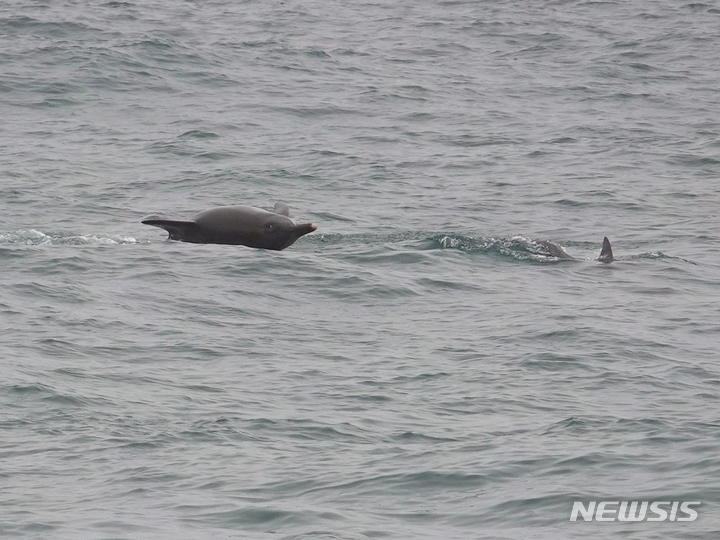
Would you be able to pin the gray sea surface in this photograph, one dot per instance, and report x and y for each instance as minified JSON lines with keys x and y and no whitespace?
{"x":423,"y":366}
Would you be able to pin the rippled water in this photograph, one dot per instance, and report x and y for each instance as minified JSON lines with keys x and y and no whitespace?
{"x":424,"y":365}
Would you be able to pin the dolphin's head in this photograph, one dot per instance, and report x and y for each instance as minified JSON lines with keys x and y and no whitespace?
{"x":280,"y":232}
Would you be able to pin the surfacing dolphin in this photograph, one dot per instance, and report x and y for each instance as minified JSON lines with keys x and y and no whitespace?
{"x":238,"y":225}
{"x":606,"y":254}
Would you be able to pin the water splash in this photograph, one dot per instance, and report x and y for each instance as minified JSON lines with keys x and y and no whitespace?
{"x":33,"y":237}
{"x":516,"y":247}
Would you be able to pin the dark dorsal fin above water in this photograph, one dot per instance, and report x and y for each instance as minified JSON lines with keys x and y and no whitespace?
{"x":606,"y":254}
{"x":282,"y":209}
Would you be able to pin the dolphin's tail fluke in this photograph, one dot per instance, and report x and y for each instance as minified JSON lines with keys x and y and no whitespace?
{"x":178,"y":230}
{"x":606,"y":254}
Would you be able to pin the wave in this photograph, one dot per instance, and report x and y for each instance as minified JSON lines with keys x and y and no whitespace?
{"x":33,"y":237}
{"x":516,"y":247}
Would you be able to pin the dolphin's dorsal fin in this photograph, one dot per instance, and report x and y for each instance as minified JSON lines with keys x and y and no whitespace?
{"x":282,"y":209}
{"x":606,"y":254}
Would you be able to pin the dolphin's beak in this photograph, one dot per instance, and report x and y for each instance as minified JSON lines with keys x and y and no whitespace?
{"x":306,"y":228}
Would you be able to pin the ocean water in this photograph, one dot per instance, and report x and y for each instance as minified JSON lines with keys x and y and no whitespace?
{"x":422,"y":366}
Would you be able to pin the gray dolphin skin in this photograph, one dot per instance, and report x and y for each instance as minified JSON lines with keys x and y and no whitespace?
{"x":554,"y":250}
{"x":239,"y":226}
{"x":606,"y":254}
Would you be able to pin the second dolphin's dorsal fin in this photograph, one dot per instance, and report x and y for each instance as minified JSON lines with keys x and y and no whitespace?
{"x":606,"y":254}
{"x":282,"y":209}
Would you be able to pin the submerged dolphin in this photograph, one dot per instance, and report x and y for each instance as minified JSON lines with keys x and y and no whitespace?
{"x":238,"y":225}
{"x":606,"y":254}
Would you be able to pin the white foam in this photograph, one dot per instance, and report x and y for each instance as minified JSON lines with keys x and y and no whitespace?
{"x":33,"y":237}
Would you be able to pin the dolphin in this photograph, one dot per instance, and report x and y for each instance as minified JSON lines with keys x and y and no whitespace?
{"x":238,"y":225}
{"x":606,"y":254}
